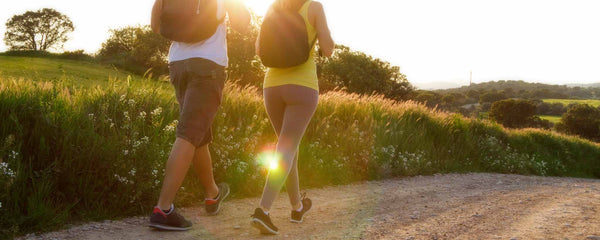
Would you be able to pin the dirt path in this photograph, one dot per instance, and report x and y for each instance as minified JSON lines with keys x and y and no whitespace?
{"x":453,"y":206}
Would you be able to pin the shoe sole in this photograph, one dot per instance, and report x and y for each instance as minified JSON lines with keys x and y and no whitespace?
{"x":301,"y":219}
{"x":167,"y":228}
{"x":264,"y":229}
{"x":219,"y":207}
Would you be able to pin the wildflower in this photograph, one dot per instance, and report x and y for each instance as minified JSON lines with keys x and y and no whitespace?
{"x":125,"y":152}
{"x":145,"y":139}
{"x":91,"y":116}
{"x":10,"y":139}
{"x":122,"y":98}
{"x":142,"y":115}
{"x":131,"y":102}
{"x":157,"y":111}
{"x":126,"y":115}
{"x":6,"y":170}
{"x":132,"y":172}
{"x":13,"y":155}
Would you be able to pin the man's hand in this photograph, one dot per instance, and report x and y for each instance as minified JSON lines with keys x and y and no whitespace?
{"x":239,"y":16}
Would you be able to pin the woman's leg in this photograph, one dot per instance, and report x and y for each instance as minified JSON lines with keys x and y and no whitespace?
{"x":292,"y":185}
{"x":300,"y":104}
{"x":275,"y":109}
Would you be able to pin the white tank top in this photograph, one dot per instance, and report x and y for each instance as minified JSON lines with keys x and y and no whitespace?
{"x":214,"y":48}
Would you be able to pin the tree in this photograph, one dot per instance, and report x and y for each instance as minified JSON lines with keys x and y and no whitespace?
{"x":136,"y":49}
{"x":582,"y":120}
{"x":491,"y":97}
{"x":360,"y":73}
{"x":514,"y":113}
{"x":39,"y":31}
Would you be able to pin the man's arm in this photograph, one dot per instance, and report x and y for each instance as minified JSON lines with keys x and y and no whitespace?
{"x":155,"y":20}
{"x":239,"y":16}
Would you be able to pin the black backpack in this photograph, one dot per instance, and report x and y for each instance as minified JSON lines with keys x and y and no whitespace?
{"x":189,"y":21}
{"x":284,"y":39}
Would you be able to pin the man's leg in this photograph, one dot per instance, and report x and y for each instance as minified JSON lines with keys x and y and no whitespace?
{"x":177,"y":167}
{"x":203,"y":166}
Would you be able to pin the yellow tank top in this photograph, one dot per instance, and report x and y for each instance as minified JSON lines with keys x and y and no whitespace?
{"x":303,"y":75}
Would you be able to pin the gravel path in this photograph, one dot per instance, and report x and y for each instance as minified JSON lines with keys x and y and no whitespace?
{"x":452,"y":206}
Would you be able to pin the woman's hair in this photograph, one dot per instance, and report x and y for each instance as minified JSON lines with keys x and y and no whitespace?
{"x":290,"y":5}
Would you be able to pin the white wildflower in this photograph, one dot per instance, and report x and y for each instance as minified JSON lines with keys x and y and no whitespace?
{"x":125,"y":152}
{"x":91,"y":116}
{"x":132,"y":172}
{"x":131,"y":102}
{"x":142,"y":115}
{"x":157,"y":111}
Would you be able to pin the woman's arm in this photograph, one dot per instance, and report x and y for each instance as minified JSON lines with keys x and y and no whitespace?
{"x":155,"y":19}
{"x":319,"y":21}
{"x":239,"y":16}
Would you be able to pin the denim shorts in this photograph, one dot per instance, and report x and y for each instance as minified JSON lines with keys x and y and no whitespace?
{"x":198,"y":86}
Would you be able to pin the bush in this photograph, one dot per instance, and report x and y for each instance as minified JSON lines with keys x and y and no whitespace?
{"x":581,"y":120}
{"x":63,"y":148}
{"x":136,"y":49}
{"x":514,"y":113}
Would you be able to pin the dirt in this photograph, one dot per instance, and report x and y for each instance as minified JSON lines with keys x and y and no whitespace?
{"x":452,"y":206}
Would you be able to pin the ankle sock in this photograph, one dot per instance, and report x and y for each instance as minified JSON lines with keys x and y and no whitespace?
{"x":301,"y":207}
{"x":265,"y":212}
{"x":167,"y":212}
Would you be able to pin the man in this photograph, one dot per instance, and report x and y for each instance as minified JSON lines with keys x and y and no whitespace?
{"x":197,"y":72}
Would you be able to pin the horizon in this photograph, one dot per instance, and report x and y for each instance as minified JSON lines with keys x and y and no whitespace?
{"x":551,"y":42}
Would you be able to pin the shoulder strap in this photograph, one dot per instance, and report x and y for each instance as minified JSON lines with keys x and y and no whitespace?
{"x":304,"y":12}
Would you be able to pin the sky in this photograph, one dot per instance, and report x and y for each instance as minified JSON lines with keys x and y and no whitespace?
{"x":434,"y":42}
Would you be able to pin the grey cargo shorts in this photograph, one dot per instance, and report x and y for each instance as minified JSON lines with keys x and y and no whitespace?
{"x":198,"y":86}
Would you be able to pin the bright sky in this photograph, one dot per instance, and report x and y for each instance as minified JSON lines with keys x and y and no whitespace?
{"x":431,"y":40}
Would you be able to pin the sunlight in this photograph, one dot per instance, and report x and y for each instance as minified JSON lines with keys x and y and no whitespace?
{"x":269,"y":158}
{"x":259,"y":6}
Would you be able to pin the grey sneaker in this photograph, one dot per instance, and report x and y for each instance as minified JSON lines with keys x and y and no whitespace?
{"x":214,"y":206}
{"x":169,"y":222}
{"x":262,"y":222}
{"x":298,"y":216}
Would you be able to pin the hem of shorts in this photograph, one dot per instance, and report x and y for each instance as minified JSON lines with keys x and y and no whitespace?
{"x":192,"y":142}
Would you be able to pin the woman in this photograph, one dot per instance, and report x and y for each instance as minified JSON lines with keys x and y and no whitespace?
{"x":291,"y":96}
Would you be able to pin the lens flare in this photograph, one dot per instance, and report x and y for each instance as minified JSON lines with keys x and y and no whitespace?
{"x":273,"y":164}
{"x":269,"y":158}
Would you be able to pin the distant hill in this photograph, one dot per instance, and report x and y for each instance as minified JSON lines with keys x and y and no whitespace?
{"x":435,"y":85}
{"x":589,"y":85}
{"x":522,"y":89}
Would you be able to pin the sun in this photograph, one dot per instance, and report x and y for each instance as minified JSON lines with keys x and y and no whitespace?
{"x":258,"y":6}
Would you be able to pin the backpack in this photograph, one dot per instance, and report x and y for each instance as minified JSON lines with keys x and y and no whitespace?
{"x":189,"y":21}
{"x":284,"y":39}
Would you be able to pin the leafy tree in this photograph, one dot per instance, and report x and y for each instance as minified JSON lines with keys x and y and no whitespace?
{"x":491,"y":97}
{"x":39,"y":31}
{"x":244,"y":66}
{"x":582,"y":120}
{"x":136,"y":49}
{"x":360,"y":73}
{"x":513,"y":113}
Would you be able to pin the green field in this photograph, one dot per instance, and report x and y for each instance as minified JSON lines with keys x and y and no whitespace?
{"x":595,"y":103}
{"x":552,"y":119}
{"x":78,"y":146}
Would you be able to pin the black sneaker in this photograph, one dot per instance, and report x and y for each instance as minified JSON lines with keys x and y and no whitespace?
{"x":262,"y":222}
{"x":213,"y":206}
{"x":298,"y":216}
{"x":170,"y":222}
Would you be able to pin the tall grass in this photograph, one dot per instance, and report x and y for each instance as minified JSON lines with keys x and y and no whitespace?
{"x":70,"y":154}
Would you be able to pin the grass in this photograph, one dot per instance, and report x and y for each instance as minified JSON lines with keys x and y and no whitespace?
{"x":552,"y":119}
{"x":72,"y":153}
{"x":565,"y":102}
